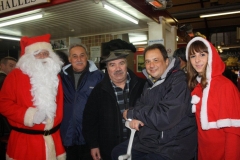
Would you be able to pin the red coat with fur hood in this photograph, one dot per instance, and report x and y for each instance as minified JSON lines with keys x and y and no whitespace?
{"x":217,"y":109}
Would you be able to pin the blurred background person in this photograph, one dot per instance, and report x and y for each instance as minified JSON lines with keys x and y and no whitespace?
{"x":7,"y":64}
{"x":180,"y":53}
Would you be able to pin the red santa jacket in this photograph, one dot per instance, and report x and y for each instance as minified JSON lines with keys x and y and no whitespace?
{"x":16,"y":104}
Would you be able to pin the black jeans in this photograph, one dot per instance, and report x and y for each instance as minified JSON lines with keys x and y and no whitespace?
{"x":78,"y":152}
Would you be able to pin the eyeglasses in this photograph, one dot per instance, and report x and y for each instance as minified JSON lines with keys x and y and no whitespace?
{"x":42,"y":54}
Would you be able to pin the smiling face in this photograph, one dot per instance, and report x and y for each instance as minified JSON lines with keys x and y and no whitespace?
{"x":155,"y":63}
{"x":117,"y":70}
{"x":199,"y":61}
{"x":78,"y":58}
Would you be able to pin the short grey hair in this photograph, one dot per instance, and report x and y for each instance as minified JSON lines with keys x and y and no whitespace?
{"x":77,"y":45}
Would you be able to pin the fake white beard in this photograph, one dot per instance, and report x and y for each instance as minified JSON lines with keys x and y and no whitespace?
{"x":43,"y":78}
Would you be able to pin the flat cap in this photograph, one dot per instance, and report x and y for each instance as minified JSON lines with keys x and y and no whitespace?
{"x":117,"y":54}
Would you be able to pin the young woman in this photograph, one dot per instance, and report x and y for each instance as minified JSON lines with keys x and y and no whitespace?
{"x":216,"y":103}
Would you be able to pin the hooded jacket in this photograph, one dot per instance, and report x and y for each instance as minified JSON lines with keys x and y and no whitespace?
{"x":165,"y":109}
{"x":217,"y":109}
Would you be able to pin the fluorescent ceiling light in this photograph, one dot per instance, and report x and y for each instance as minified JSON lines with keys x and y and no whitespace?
{"x":136,"y":37}
{"x":119,"y":12}
{"x":10,"y":38}
{"x":218,"y":14}
{"x":139,"y":43}
{"x":21,"y":19}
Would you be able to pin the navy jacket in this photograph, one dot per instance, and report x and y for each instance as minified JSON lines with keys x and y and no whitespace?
{"x":165,"y":109}
{"x":75,"y":100}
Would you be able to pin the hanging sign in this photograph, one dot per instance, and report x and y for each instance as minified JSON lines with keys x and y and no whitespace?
{"x":95,"y":52}
{"x":156,"y":41}
{"x":12,"y":5}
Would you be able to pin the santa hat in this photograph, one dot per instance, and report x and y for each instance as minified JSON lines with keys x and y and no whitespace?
{"x":32,"y":44}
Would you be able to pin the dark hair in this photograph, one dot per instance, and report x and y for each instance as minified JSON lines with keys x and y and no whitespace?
{"x":5,"y":60}
{"x":197,"y":46}
{"x":160,"y":47}
{"x":63,"y":57}
{"x":181,"y":53}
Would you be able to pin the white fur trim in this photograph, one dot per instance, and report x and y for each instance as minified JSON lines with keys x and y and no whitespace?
{"x":194,"y":101}
{"x":193,"y":108}
{"x":62,"y":156}
{"x":38,"y":46}
{"x":203,"y":112}
{"x":8,"y":158}
{"x":50,"y":148}
{"x":28,"y":117}
{"x":228,"y":123}
{"x":224,"y":123}
{"x":49,"y":124}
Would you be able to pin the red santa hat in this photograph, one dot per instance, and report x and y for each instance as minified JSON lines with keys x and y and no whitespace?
{"x":32,"y":44}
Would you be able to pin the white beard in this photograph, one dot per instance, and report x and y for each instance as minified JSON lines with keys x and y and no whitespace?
{"x":43,"y":78}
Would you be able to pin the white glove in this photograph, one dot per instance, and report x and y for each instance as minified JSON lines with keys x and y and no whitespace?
{"x":39,"y":117}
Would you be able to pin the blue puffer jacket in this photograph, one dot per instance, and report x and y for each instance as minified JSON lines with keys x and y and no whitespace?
{"x":75,"y":100}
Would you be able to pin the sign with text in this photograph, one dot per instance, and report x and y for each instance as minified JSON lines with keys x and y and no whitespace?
{"x":12,"y":5}
{"x":156,"y":41}
{"x":95,"y":52}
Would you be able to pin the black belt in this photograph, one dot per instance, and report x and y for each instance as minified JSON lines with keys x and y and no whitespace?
{"x":29,"y":131}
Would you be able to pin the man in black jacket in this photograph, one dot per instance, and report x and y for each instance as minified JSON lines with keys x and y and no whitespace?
{"x":103,"y":124}
{"x":169,"y":130}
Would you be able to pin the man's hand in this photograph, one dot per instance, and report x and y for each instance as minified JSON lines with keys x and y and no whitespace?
{"x":125,"y":114}
{"x":135,"y":124}
{"x":39,"y":117}
{"x":95,"y":152}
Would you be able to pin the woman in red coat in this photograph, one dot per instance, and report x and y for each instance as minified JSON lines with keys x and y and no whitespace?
{"x":216,"y":103}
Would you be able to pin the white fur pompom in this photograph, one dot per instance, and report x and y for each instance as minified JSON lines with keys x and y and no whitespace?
{"x":194,"y":101}
{"x":193,"y":108}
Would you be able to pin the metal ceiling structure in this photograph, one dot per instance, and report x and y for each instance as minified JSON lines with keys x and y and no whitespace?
{"x":80,"y":18}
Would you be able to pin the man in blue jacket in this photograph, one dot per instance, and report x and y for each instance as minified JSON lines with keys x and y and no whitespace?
{"x":78,"y":79}
{"x":168,"y":128}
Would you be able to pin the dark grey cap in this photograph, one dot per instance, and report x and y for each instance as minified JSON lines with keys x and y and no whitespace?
{"x":117,"y":54}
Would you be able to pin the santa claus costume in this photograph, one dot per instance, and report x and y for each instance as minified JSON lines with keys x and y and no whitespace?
{"x":34,"y":86}
{"x":217,"y":110}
